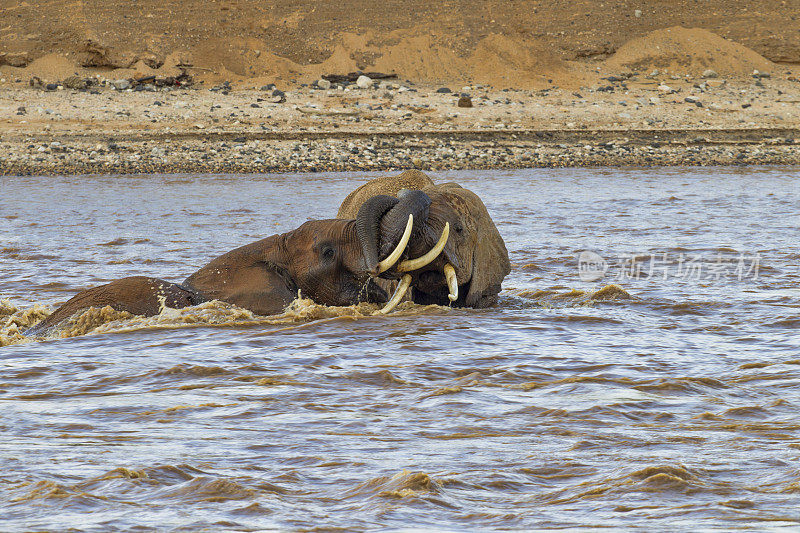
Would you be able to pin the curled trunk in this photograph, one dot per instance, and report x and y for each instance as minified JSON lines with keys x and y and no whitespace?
{"x":368,"y":226}
{"x":382,"y":219}
{"x":394,"y":222}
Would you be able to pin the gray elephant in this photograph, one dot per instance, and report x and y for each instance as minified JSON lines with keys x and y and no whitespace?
{"x":473,"y":260}
{"x":322,"y":260}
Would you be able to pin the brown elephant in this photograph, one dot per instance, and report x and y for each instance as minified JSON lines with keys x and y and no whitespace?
{"x":474,"y":260}
{"x":322,"y":260}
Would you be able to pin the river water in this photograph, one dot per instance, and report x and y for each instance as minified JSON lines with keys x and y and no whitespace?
{"x":676,"y":408}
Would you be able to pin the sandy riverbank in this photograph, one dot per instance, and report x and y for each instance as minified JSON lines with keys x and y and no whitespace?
{"x":671,"y":96}
{"x":642,"y":120}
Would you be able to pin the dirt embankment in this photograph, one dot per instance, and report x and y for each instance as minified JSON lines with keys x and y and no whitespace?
{"x":526,"y":44}
{"x":548,"y":83}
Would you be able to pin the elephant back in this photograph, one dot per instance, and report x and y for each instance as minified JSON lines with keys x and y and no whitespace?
{"x":388,"y":185}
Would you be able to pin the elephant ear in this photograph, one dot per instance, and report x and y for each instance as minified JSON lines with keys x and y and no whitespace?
{"x":490,"y":262}
{"x":388,"y":185}
{"x":253,"y":276}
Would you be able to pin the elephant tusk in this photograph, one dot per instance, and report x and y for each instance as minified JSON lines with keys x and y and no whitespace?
{"x":402,"y":287}
{"x":414,"y":264}
{"x":452,"y":281}
{"x":389,"y":262}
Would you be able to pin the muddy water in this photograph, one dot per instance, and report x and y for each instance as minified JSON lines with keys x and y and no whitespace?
{"x":677,"y":408}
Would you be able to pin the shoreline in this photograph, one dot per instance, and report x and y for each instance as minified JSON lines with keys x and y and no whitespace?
{"x":337,"y":151}
{"x":391,"y":127}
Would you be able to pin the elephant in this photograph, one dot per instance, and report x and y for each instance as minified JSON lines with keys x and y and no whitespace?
{"x":138,"y":295}
{"x":322,"y":260}
{"x":473,"y":260}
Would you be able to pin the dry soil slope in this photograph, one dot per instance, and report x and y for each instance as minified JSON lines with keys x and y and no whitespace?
{"x":450,"y":39}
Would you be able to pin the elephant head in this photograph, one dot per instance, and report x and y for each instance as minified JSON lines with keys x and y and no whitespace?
{"x":321,"y":260}
{"x":461,"y":256}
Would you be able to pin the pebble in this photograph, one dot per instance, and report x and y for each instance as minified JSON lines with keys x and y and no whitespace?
{"x":121,"y":85}
{"x":360,"y":154}
{"x":708,"y":73}
{"x":345,"y":153}
{"x":465,"y":101}
{"x":364,"y":82}
{"x":665,"y":88}
{"x":278,"y":97}
{"x":637,"y":13}
{"x":323,"y":84}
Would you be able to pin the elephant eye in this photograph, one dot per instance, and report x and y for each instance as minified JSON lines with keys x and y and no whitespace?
{"x":458,"y":227}
{"x":328,"y":252}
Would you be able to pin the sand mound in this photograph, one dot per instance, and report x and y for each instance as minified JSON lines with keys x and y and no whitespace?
{"x":419,"y":57}
{"x":498,"y":60}
{"x":514,"y":62}
{"x":687,"y":51}
{"x":52,"y":67}
{"x":238,"y":59}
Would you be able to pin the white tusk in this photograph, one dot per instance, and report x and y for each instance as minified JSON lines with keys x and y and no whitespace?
{"x":402,"y":287}
{"x":389,"y":262}
{"x":413,"y":264}
{"x":452,"y":281}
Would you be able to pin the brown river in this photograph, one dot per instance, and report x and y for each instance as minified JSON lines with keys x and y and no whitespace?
{"x":642,"y":370}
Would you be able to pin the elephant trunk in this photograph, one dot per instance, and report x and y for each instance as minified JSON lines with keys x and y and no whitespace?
{"x":393,"y":223}
{"x":368,"y":226}
{"x":382,"y":219}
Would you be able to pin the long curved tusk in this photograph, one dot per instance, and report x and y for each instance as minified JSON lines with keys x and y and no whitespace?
{"x":402,"y":287}
{"x":389,"y":262}
{"x":452,"y":281}
{"x":413,"y":264}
